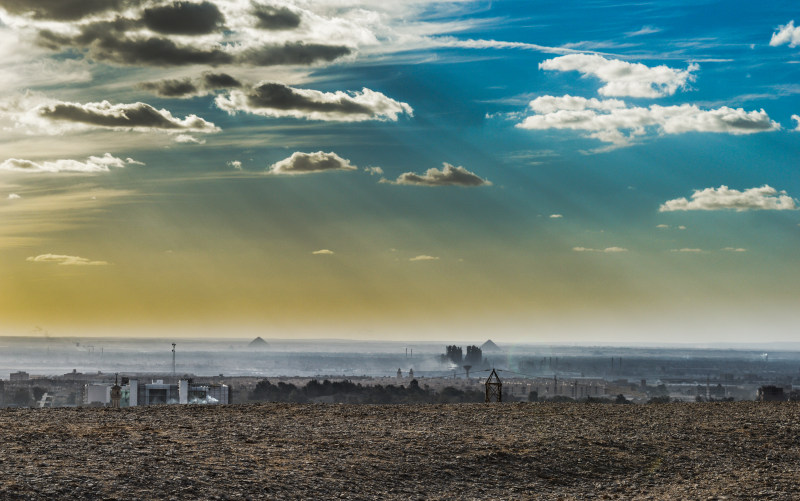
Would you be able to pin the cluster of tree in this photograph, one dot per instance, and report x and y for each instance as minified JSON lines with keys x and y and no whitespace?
{"x":349,"y":392}
{"x":619,"y":399}
{"x":455,"y":354}
{"x":23,"y":396}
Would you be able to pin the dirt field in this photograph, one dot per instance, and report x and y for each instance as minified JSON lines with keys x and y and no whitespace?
{"x":742,"y":450}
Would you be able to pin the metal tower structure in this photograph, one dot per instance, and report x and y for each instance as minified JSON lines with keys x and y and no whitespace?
{"x":494,"y":388}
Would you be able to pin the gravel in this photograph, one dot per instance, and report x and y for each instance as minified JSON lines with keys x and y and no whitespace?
{"x":731,"y":450}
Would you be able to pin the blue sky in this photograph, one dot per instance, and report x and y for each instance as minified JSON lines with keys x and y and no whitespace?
{"x":598,"y":172}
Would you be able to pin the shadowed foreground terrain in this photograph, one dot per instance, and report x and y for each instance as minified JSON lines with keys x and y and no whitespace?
{"x":740,"y":450}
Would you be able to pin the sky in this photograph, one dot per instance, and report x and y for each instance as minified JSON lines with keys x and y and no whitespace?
{"x":419,"y":169}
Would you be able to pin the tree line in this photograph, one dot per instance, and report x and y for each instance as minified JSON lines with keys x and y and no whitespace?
{"x":349,"y":392}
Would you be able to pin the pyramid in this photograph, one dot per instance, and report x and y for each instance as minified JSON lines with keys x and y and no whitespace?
{"x":490,"y":347}
{"x":258,"y":343}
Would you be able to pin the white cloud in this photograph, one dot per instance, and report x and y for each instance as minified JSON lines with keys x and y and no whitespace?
{"x":688,"y":250}
{"x":786,"y":34}
{"x":545,"y":105}
{"x":449,"y":175}
{"x":499,"y":44}
{"x":424,"y":257}
{"x":734,"y":249}
{"x":608,"y":250}
{"x":662,"y":226}
{"x":236,"y":164}
{"x":724,"y":198}
{"x":374,"y":171}
{"x":187,"y":139}
{"x":645,"y":30}
{"x":90,"y":166}
{"x":796,"y":118}
{"x":305,"y":163}
{"x":622,"y":78}
{"x":278,"y":100}
{"x":611,"y":121}
{"x":63,"y":260}
{"x":13,"y":196}
{"x":323,"y":252}
{"x":556,"y":216}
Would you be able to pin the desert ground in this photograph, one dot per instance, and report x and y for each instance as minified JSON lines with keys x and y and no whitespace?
{"x":731,"y":450}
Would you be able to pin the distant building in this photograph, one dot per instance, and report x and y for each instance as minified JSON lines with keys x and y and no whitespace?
{"x":19,"y":376}
{"x":771,"y":394}
{"x":258,"y":343}
{"x":158,"y":392}
{"x":454,"y":354}
{"x":490,"y":347}
{"x":97,"y":393}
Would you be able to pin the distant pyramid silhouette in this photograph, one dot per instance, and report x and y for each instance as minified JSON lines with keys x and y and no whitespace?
{"x":258,"y":343}
{"x":489,"y":347}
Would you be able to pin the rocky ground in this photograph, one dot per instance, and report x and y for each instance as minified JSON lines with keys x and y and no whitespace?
{"x":742,"y":450}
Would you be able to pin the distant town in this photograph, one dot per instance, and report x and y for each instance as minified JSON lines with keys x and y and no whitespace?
{"x":384,"y":374}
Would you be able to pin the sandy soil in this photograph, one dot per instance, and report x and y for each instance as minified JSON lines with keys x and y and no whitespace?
{"x":742,"y":450}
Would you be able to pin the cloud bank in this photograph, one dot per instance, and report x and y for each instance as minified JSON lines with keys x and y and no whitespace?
{"x":613,"y":122}
{"x":271,"y":99}
{"x":306,"y":163}
{"x":424,"y":257}
{"x":90,"y":166}
{"x":724,"y":198}
{"x":188,"y":87}
{"x":50,"y":116}
{"x":135,"y":116}
{"x":60,"y":10}
{"x":607,"y":250}
{"x":63,"y":260}
{"x":447,"y":176}
{"x":622,"y":78}
{"x":177,"y":33}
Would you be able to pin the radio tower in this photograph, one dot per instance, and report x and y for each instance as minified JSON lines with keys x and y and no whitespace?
{"x":173,"y":359}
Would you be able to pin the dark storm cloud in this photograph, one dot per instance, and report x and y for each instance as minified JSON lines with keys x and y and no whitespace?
{"x":109,"y":41}
{"x":282,"y":97}
{"x":171,"y":87}
{"x":219,"y":81}
{"x":126,"y":116}
{"x":184,"y":18}
{"x":292,"y":53}
{"x":275,"y":18}
{"x":61,"y":10}
{"x":448,"y":176}
{"x":156,"y":52}
{"x":186,"y":87}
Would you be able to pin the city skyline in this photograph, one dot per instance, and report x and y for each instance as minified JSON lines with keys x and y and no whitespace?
{"x":422,"y":170}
